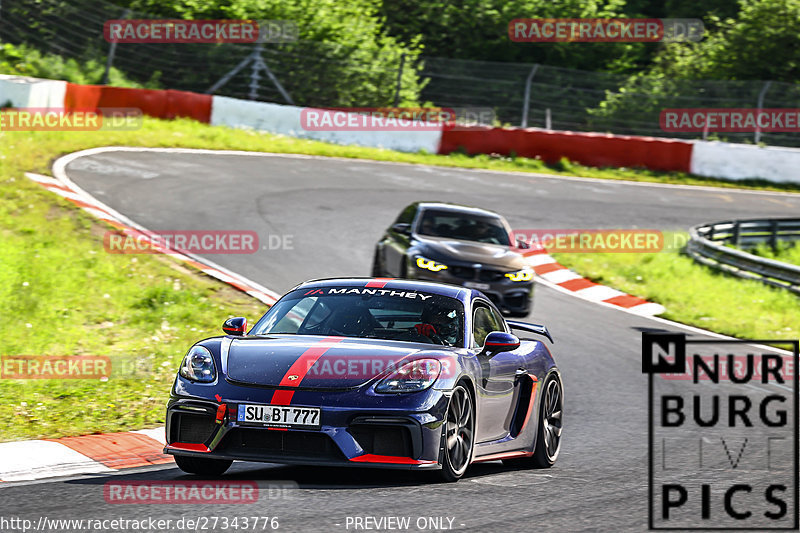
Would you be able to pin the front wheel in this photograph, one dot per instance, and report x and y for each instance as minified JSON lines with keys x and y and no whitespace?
{"x":202,"y":466}
{"x":458,"y":434}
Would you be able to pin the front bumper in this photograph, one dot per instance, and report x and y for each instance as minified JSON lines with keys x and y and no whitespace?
{"x":348,"y":436}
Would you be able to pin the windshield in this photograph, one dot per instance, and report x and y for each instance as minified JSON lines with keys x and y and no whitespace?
{"x":453,"y":225}
{"x":401,"y":315}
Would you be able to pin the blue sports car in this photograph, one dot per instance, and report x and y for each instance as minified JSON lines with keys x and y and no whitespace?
{"x":369,"y":372}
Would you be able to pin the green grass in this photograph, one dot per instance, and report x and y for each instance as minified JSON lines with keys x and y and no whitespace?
{"x":695,"y":294}
{"x":61,"y":294}
{"x":785,"y":251}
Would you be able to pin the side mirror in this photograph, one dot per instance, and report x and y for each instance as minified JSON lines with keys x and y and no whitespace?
{"x":402,"y":227}
{"x":235,"y":326}
{"x":499,"y":341}
{"x":522,"y":244}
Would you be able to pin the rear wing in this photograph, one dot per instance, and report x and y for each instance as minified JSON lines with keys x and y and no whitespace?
{"x":531,"y":328}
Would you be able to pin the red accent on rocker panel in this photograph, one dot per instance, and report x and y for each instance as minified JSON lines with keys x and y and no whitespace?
{"x":378,"y":283}
{"x":372,"y":458}
{"x":300,"y":368}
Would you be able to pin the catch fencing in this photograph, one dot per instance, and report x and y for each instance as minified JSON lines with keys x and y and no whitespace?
{"x":324,"y":74}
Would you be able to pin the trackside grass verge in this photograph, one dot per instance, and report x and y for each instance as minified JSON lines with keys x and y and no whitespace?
{"x":61,"y":294}
{"x":694,"y":294}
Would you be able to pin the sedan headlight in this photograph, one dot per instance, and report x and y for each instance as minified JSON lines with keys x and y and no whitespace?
{"x":525,"y":274}
{"x":198,"y":365}
{"x":429,"y":264}
{"x":413,"y":376}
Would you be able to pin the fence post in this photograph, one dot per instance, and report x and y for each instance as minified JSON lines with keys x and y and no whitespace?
{"x":736,"y":234}
{"x":399,"y":79}
{"x":112,"y":50}
{"x":525,"y":105}
{"x":757,"y":135}
{"x":773,"y":237}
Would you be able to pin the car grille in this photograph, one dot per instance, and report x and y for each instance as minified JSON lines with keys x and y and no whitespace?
{"x":463,"y":272}
{"x":191,"y":428}
{"x":257,"y":442}
{"x":490,"y":275}
{"x":517,"y":301}
{"x":470,"y":273}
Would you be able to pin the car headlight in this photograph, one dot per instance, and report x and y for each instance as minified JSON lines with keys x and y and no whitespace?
{"x":429,"y":264}
{"x":413,"y":376}
{"x":525,"y":274}
{"x":198,"y":365}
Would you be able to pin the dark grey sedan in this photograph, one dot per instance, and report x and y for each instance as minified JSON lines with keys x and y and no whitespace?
{"x":460,"y":245}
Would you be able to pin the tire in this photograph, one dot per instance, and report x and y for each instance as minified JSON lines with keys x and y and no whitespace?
{"x":202,"y":466}
{"x":458,"y":435}
{"x":377,"y":271}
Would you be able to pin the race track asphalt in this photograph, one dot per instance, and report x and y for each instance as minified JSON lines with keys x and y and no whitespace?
{"x":335,"y":210}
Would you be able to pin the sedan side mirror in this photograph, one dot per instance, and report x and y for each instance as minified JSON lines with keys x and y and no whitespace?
{"x":235,"y":326}
{"x":402,"y":227}
{"x":522,"y":244}
{"x":499,"y":341}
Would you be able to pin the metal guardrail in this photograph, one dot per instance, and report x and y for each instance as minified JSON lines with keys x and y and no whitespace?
{"x":707,"y":245}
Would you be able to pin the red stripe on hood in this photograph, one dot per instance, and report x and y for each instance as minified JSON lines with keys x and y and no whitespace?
{"x":300,"y":368}
{"x":378,"y":283}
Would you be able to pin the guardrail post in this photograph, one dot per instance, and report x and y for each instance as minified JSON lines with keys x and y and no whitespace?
{"x":773,"y":237}
{"x":736,"y":234}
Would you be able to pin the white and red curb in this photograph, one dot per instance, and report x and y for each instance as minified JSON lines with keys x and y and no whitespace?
{"x":88,"y":454}
{"x":550,"y":272}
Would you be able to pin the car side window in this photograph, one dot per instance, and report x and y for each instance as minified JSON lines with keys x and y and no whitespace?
{"x":484,"y":321}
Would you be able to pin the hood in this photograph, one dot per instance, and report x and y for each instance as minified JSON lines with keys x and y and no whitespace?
{"x":497,"y":255}
{"x":315,"y":362}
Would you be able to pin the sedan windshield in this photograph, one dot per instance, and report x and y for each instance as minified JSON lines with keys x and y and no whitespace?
{"x":401,"y":315}
{"x":454,"y":225}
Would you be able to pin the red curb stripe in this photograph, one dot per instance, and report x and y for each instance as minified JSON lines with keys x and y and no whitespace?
{"x":118,"y":450}
{"x":626,"y":300}
{"x":577,"y":284}
{"x":548,"y":267}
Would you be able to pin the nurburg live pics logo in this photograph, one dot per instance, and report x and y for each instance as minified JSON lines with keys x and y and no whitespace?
{"x":722,"y":433}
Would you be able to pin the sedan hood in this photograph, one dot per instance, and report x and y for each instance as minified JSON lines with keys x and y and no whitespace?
{"x":497,"y":255}
{"x":314,"y":362}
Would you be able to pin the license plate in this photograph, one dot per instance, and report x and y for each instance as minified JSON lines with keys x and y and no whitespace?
{"x":284,"y":416}
{"x":476,"y":285}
